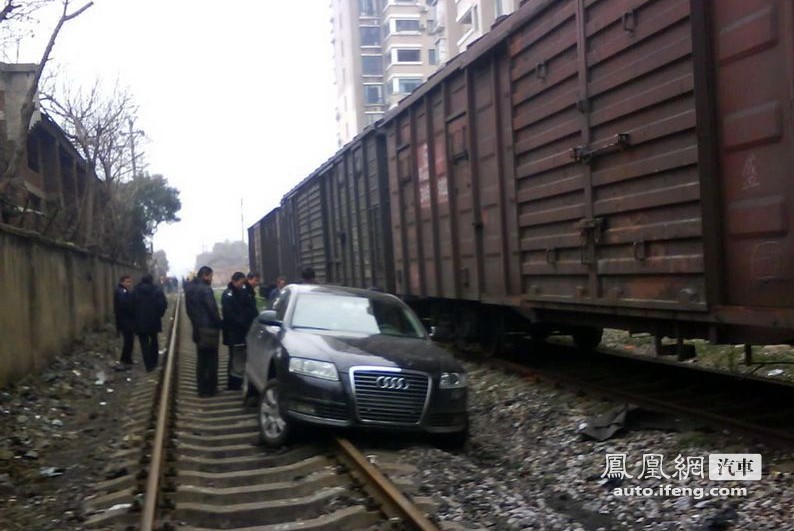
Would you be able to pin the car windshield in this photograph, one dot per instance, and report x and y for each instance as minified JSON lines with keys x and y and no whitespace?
{"x":359,"y":315}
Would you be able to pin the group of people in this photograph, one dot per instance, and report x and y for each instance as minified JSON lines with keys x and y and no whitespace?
{"x":139,"y":311}
{"x":238,"y":310}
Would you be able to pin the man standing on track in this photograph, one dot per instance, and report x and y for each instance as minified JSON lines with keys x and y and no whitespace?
{"x":238,"y":314}
{"x":150,"y":304}
{"x":203,"y":313}
{"x":124,"y":310}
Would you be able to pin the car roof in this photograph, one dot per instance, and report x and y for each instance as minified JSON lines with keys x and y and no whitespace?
{"x":345,"y":291}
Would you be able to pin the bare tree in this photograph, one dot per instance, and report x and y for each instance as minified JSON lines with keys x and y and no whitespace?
{"x":20,"y":10}
{"x":100,"y":124}
{"x":10,"y":179}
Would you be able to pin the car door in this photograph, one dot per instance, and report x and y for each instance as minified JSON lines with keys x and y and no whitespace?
{"x":255,"y":362}
{"x":271,"y":335}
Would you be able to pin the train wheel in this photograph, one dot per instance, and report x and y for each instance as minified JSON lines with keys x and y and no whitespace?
{"x":587,"y":338}
{"x":492,"y":336}
{"x":496,"y":338}
{"x":539,"y":332}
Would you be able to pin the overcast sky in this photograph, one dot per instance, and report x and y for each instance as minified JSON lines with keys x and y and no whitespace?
{"x":235,"y":96}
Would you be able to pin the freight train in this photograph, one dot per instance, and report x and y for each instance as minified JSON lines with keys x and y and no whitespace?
{"x":585,"y":164}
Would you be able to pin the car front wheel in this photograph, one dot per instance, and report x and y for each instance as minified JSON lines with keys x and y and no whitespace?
{"x":274,"y":430}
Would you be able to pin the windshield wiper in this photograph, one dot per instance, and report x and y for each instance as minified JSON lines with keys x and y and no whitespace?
{"x":309,"y":327}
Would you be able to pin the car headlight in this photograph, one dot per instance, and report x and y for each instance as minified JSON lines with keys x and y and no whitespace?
{"x":452,"y":380}
{"x":318,"y":369}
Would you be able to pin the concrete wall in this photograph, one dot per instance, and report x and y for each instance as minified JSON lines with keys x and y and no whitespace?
{"x":50,"y":294}
{"x":14,"y":81}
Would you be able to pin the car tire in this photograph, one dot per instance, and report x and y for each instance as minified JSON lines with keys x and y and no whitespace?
{"x":274,"y":430}
{"x":249,"y":391}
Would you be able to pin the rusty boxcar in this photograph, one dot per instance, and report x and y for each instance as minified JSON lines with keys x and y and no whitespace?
{"x":336,"y":221}
{"x":265,"y":245}
{"x":586,"y":163}
{"x":615,"y":162}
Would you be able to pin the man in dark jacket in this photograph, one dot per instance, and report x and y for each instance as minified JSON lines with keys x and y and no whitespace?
{"x":125,"y":316}
{"x":150,"y":304}
{"x":239,"y":311}
{"x":250,"y":286}
{"x":203,"y":312}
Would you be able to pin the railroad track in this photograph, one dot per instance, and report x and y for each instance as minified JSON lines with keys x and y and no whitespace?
{"x":198,"y":465}
{"x":754,"y":406}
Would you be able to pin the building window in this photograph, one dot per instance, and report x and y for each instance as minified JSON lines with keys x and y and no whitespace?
{"x":406,"y":85}
{"x":368,"y":8}
{"x":373,"y":94}
{"x":468,"y":21}
{"x":372,"y":65}
{"x":370,"y":35}
{"x":373,"y":117}
{"x":503,"y":7}
{"x":408,"y":55}
{"x":406,"y":25}
{"x":432,"y":57}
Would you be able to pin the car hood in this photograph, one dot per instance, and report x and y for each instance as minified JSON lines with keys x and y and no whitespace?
{"x":376,"y":350}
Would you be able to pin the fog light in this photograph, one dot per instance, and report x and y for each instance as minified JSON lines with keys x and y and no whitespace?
{"x":303,"y":407}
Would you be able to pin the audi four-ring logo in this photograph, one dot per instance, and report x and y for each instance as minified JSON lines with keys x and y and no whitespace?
{"x":391,"y":382}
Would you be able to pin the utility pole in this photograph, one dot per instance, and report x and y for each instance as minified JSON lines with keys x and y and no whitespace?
{"x":132,"y":149}
{"x":242,"y":222}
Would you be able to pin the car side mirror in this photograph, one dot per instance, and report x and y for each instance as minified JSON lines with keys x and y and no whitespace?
{"x":429,"y":328}
{"x":268,"y":317}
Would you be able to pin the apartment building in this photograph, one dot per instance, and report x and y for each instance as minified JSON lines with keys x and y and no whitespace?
{"x":384,"y":49}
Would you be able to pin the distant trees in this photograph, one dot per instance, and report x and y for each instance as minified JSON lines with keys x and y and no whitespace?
{"x":225,"y":258}
{"x":158,"y":265}
{"x":225,"y":255}
{"x":141,"y":205}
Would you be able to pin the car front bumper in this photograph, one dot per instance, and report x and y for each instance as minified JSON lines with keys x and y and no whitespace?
{"x":330,"y":403}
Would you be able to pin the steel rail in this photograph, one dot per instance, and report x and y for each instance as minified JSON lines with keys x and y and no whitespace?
{"x":155,"y":465}
{"x":658,"y":404}
{"x":394,"y":503}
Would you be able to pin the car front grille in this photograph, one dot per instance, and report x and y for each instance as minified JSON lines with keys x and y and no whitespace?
{"x":403,"y":403}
